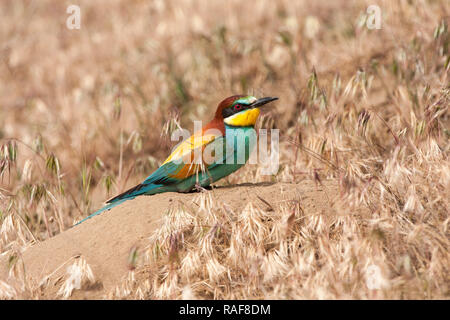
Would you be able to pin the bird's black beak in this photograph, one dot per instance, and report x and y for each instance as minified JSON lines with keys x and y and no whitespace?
{"x":262,"y":101}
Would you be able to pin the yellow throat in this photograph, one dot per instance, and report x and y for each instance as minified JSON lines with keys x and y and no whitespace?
{"x":243,"y":119}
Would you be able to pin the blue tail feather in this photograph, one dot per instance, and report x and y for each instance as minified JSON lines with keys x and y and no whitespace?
{"x":105,"y":208}
{"x":130,"y":194}
{"x":157,"y":182}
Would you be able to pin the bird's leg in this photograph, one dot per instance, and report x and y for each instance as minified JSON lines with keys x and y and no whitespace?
{"x":199,"y":188}
{"x":204,"y":185}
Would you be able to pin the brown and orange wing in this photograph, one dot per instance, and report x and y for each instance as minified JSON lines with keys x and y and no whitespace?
{"x":188,"y":156}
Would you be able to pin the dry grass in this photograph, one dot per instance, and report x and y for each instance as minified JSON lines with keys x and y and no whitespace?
{"x":85,"y":114}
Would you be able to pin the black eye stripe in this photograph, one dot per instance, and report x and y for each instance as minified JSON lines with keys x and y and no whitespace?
{"x":227,"y":112}
{"x":234,"y":109}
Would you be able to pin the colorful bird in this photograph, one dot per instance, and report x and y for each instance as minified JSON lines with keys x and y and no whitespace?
{"x":217,"y":150}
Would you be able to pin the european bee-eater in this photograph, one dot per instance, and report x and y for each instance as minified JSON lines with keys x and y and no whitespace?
{"x":188,"y":166}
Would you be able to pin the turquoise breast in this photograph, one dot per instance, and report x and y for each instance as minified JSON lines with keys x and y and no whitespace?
{"x":236,"y":146}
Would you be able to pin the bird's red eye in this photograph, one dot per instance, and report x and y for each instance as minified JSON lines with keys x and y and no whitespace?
{"x":237,"y":107}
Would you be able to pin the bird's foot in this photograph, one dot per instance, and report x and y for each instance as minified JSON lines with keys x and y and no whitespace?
{"x":199,"y":188}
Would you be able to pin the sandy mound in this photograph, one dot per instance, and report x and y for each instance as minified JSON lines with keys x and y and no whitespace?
{"x":106,"y":241}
